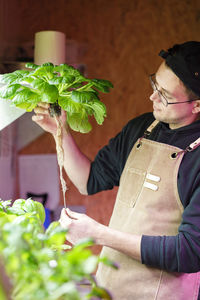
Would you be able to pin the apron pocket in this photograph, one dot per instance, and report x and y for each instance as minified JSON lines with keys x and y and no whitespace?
{"x":131,"y":184}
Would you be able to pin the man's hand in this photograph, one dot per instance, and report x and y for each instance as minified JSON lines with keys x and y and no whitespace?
{"x":80,"y":226}
{"x":44,"y":120}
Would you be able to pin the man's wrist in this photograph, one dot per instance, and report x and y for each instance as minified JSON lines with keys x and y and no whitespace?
{"x":126,"y":243}
{"x":102,"y":235}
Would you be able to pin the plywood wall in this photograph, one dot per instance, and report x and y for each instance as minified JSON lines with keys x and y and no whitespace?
{"x":121,"y":41}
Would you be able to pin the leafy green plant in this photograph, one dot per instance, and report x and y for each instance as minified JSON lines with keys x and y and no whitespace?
{"x":62,"y":86}
{"x":38,"y":262}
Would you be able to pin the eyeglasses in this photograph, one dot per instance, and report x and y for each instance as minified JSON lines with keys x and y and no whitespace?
{"x":161,"y":96}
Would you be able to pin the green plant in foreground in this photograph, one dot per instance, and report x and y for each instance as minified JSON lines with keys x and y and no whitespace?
{"x":37,"y":261}
{"x":63,"y":86}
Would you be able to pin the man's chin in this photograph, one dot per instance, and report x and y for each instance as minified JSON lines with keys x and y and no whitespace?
{"x":160,"y":118}
{"x":156,"y":115}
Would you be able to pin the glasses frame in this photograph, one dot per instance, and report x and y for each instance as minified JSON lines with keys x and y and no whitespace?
{"x":162,"y":97}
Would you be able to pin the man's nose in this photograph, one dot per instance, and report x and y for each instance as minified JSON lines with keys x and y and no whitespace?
{"x":155,"y":96}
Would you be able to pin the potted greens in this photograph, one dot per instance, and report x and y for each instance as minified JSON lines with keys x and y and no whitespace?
{"x":38,"y":262}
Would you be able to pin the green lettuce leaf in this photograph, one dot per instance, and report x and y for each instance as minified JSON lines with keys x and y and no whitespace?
{"x":79,"y":122}
{"x":8,"y":92}
{"x":14,"y":77}
{"x":65,"y":69}
{"x":32,"y":66}
{"x":44,"y":71}
{"x":102,"y":85}
{"x":99,"y":111}
{"x":26,"y":99}
{"x":48,"y":92}
{"x":83,"y":97}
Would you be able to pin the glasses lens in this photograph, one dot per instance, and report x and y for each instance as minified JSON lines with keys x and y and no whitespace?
{"x":155,"y":89}
{"x":153,"y":85}
{"x":162,"y":98}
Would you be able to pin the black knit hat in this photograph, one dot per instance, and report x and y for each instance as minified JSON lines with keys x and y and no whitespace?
{"x":184,"y":60}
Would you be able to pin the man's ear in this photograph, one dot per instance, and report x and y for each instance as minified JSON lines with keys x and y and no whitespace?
{"x":196,"y":107}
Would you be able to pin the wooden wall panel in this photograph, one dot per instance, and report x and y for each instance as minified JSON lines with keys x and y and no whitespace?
{"x":123,"y":38}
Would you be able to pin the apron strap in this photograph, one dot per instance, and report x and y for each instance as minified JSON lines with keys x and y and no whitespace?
{"x":148,"y":132}
{"x":150,"y":128}
{"x":190,"y":148}
{"x":193,"y":145}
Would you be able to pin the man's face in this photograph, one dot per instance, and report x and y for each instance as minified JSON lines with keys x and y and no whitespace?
{"x":176,"y":115}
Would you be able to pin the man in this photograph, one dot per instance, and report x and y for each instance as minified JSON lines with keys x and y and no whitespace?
{"x":154,"y":232}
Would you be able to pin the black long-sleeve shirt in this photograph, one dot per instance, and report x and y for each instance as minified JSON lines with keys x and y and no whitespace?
{"x":180,"y":253}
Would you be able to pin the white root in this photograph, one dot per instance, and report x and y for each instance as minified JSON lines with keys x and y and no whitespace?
{"x":60,"y":156}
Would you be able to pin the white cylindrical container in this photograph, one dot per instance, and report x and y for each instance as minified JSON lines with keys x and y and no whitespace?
{"x":50,"y":46}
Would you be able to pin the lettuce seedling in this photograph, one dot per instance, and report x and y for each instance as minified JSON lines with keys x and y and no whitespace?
{"x":62,"y":86}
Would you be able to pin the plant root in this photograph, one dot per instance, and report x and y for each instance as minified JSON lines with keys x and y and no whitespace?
{"x":60,"y":156}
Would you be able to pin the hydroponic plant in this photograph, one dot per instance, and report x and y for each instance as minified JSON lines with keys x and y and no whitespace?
{"x":63,"y":87}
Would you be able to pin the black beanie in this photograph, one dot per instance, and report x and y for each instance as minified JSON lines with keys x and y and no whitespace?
{"x":184,"y":60}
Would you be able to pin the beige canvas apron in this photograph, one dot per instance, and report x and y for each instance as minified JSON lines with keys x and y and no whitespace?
{"x":147,"y":204}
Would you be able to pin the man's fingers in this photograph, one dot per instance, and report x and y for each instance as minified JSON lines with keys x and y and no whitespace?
{"x":73,"y":214}
{"x":64,"y":221}
{"x":37,"y":118}
{"x":63,"y":211}
{"x":41,"y":110}
{"x":43,"y":104}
